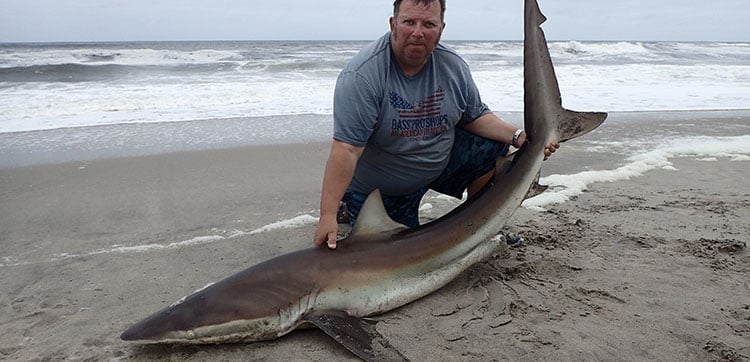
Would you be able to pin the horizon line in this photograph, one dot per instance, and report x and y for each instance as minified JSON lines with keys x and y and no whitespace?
{"x":83,"y":41}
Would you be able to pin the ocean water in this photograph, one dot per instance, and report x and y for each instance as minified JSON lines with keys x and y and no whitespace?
{"x":75,"y":101}
{"x":47,"y":86}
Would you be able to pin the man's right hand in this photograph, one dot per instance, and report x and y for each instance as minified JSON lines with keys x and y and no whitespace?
{"x":327,"y":231}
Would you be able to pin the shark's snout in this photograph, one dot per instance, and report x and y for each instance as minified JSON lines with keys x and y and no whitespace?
{"x":131,"y":334}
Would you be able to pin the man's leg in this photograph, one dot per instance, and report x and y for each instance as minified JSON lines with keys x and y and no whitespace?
{"x":479,"y":183}
{"x":471,"y":166}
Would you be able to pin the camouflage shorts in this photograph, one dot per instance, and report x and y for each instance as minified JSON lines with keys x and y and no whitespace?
{"x":471,"y":157}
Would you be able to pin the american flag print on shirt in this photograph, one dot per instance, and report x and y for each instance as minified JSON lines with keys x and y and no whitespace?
{"x":420,"y":119}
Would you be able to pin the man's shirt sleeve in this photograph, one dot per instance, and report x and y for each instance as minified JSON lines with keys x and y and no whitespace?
{"x":356,"y":109}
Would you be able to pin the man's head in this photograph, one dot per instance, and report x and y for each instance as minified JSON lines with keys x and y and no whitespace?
{"x":397,"y":5}
{"x":416,"y":27}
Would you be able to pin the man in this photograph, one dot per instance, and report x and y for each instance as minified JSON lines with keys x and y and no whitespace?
{"x":408,"y":118}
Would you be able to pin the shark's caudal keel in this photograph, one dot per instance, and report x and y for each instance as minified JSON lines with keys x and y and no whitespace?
{"x":381,"y":265}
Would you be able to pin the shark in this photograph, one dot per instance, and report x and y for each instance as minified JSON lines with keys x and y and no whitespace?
{"x":381,"y":265}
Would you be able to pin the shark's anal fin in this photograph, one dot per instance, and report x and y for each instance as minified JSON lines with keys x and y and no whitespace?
{"x":356,"y":334}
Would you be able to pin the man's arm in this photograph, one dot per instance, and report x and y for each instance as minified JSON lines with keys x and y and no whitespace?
{"x":491,"y":126}
{"x":338,"y":174}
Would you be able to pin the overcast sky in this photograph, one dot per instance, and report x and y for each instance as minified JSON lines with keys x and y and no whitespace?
{"x":123,"y":20}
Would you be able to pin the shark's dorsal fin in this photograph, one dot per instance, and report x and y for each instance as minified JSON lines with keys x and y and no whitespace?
{"x":373,"y":219}
{"x":357,"y":335}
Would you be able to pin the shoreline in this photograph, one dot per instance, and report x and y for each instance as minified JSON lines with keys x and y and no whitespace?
{"x":89,"y":143}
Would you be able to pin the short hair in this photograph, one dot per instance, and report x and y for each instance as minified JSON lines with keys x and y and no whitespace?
{"x":397,"y":5}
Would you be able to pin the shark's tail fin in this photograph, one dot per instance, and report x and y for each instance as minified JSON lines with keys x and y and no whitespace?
{"x":573,"y":124}
{"x":540,"y":80}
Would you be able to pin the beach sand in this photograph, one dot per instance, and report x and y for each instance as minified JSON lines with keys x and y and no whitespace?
{"x":652,"y":268}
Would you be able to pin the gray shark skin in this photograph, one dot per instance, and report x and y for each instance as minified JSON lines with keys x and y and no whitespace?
{"x":381,"y":265}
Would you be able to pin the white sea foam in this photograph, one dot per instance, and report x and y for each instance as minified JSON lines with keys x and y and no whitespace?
{"x":299,"y":221}
{"x":11,"y":261}
{"x":69,"y":85}
{"x":563,"y":187}
{"x":150,"y":247}
{"x":77,"y":105}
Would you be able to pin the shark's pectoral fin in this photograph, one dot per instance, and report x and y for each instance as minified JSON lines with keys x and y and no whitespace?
{"x":356,"y":334}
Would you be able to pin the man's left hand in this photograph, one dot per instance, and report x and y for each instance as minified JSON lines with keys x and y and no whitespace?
{"x":550,"y":148}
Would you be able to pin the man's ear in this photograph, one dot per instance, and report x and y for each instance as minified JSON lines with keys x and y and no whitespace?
{"x":392,"y":23}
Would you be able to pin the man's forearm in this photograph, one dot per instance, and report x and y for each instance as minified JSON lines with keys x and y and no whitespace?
{"x":338,"y":174}
{"x":492,"y":127}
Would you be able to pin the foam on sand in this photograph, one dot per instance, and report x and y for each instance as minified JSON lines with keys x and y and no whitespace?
{"x":563,"y":187}
{"x":302,"y":220}
{"x":298,"y":221}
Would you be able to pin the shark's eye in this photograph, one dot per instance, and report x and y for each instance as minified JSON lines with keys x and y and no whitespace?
{"x":190,"y":334}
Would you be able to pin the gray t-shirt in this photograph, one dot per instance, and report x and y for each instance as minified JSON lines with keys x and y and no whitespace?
{"x":406,"y":124}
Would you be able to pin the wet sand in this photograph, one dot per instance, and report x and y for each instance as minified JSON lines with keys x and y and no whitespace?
{"x":652,"y":268}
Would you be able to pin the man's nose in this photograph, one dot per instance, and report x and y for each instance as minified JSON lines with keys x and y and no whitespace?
{"x":418,"y":31}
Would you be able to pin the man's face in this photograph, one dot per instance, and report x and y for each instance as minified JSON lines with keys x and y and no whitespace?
{"x":415,"y":33}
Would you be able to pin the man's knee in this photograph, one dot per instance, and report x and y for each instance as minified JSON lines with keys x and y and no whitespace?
{"x":479,"y":183}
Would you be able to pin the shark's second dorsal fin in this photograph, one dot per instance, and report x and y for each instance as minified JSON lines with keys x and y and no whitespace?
{"x":503,"y":163}
{"x":373,"y":219}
